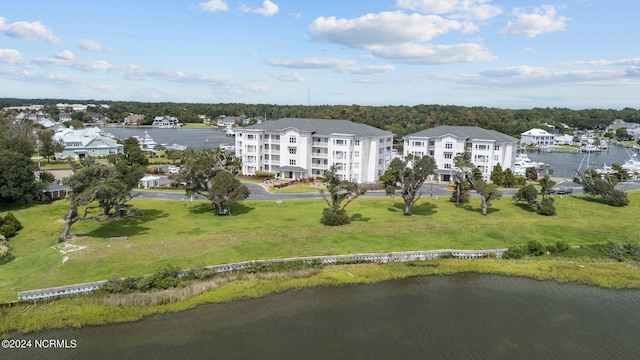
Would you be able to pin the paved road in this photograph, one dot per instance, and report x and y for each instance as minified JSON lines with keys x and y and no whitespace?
{"x":437,"y":189}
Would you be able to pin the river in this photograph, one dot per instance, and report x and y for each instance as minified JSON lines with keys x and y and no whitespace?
{"x":464,"y":316}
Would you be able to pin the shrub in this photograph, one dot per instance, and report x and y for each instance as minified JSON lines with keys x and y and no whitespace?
{"x":536,"y":248}
{"x":513,"y":252}
{"x":264,"y":174}
{"x":334,"y":218}
{"x":11,"y":219}
{"x":546,"y":207}
{"x":562,"y":246}
{"x":5,"y":255}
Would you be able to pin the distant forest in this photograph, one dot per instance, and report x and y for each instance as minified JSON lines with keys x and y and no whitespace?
{"x":401,"y":120}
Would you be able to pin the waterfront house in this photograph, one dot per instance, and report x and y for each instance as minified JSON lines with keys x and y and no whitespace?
{"x":487,"y":148}
{"x":133,"y":119}
{"x":90,"y":141}
{"x":537,"y":137}
{"x":302,"y":148}
{"x":166,"y":122}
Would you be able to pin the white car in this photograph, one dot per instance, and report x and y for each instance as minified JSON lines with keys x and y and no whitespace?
{"x":173,"y":170}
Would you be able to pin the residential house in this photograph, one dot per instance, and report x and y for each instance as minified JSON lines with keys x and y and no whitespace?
{"x":487,"y":148}
{"x":166,"y":122}
{"x":302,"y":148}
{"x":133,"y":119}
{"x":65,"y":116}
{"x":90,"y":141}
{"x":55,"y":191}
{"x":226,"y":121}
{"x":537,"y":137}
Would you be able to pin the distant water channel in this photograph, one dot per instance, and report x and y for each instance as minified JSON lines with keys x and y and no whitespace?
{"x":195,"y":138}
{"x":465,"y":316}
{"x":565,"y":164}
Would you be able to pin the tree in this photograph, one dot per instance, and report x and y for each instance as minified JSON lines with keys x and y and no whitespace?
{"x":620,"y":173}
{"x":595,"y":185}
{"x":107,"y":187}
{"x":531,"y":173}
{"x":17,"y":177}
{"x":341,"y":193}
{"x":510,"y":179}
{"x":48,"y":146}
{"x":527,"y":193}
{"x":226,"y":190}
{"x":622,"y":134}
{"x":463,"y":166}
{"x":488,"y":192}
{"x":497,"y":175}
{"x":410,"y":174}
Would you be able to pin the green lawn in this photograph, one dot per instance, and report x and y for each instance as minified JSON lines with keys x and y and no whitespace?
{"x":188,"y":234}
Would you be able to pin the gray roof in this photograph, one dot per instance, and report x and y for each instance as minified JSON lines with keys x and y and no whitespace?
{"x":464,"y":132}
{"x":321,"y":127}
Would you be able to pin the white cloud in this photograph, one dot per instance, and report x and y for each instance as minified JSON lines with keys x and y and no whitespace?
{"x":311,"y":63}
{"x":268,"y":8}
{"x":469,"y":9}
{"x":28,"y":30}
{"x":11,"y":57}
{"x":292,"y":76}
{"x":91,"y":45}
{"x":542,"y":20}
{"x":367,"y":70}
{"x":65,"y":55}
{"x":382,"y":28}
{"x":213,"y":6}
{"x":433,"y":54}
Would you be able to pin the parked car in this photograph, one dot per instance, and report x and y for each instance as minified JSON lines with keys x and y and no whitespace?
{"x":173,"y":170}
{"x":561,"y":191}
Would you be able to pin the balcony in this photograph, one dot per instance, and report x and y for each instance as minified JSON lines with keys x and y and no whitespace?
{"x":318,"y":155}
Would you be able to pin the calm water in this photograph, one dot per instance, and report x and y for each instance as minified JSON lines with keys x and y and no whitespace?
{"x":466,"y":316}
{"x":196,"y":138}
{"x":566,"y":164}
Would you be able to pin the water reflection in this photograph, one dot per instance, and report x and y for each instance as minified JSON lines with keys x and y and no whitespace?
{"x":466,"y":316}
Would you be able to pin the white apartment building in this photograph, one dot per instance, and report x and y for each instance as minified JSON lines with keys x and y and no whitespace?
{"x":302,"y":148}
{"x":443,"y":143}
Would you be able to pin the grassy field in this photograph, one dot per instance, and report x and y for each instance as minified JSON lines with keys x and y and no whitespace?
{"x":188,"y":234}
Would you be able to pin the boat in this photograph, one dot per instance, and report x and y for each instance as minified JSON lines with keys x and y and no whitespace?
{"x":226,"y":147}
{"x":146,"y":143}
{"x":589,"y":148}
{"x":522,"y":163}
{"x":605,"y":170}
{"x":603,"y":145}
{"x":177,"y":147}
{"x":632,"y":165}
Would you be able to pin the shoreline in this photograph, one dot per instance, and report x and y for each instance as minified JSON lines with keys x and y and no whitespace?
{"x":80,"y":311}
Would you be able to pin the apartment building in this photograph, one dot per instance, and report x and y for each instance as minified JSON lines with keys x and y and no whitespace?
{"x":302,"y":148}
{"x":443,"y":143}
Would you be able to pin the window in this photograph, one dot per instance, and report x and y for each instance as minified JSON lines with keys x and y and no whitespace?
{"x":292,"y":162}
{"x":275,"y":137}
{"x":250,"y":136}
{"x":448,"y":155}
{"x":447,"y":166}
{"x":356,"y":165}
{"x":339,"y":142}
{"x":448,"y":145}
{"x":293,"y":150}
{"x":356,"y":153}
{"x":482,"y":147}
{"x":417,"y":143}
{"x":356,"y":142}
{"x":496,"y":147}
{"x":292,"y":140}
{"x":496,"y":157}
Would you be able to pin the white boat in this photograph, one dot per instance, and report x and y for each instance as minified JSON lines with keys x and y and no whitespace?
{"x":522,"y":163}
{"x":632,"y":165}
{"x":229,"y":148}
{"x":146,"y":143}
{"x":589,"y":148}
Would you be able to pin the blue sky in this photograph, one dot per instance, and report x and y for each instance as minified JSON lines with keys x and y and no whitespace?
{"x":510,"y":54}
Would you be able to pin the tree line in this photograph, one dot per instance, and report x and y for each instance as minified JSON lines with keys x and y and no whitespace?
{"x":399,"y":119}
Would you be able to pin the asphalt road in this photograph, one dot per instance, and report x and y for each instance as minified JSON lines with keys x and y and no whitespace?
{"x":428,"y":190}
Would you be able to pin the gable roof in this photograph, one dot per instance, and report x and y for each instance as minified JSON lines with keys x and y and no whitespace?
{"x":464,"y":132}
{"x":321,"y":127}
